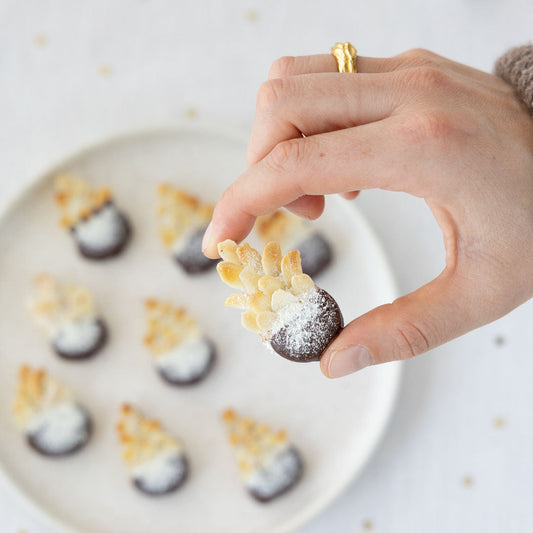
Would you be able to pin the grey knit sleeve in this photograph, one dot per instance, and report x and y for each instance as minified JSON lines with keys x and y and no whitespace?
{"x":516,"y":68}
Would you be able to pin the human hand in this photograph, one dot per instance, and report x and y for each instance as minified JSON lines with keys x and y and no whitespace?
{"x":419,"y":123}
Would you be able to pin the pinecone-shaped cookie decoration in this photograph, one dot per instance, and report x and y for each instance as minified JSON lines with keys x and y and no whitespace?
{"x":295,"y":233}
{"x":55,"y":425}
{"x":98,"y":227}
{"x":280,"y":303}
{"x":181,"y":352}
{"x":67,"y":315}
{"x":269,"y":465}
{"x":182,"y":221}
{"x":156,"y":461}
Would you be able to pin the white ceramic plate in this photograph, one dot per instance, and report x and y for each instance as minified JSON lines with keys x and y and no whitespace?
{"x":336,"y":424}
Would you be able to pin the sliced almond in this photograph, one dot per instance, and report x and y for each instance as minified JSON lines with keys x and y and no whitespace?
{"x":229,"y":273}
{"x":272,"y":259}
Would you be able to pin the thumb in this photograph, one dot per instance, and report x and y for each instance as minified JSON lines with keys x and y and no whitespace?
{"x":436,"y":313}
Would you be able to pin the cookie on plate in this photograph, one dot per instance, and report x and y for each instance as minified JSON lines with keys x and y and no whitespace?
{"x":181,"y":352}
{"x":98,"y":227}
{"x":67,"y":315}
{"x":295,"y":233}
{"x":283,"y":305}
{"x":182,"y":221}
{"x":54,"y":423}
{"x":269,"y":465}
{"x":156,"y":460}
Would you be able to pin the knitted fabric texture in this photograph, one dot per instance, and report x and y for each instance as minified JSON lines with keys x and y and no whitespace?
{"x":516,"y":68}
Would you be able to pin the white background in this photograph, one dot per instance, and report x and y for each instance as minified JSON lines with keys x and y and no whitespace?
{"x":72,"y":72}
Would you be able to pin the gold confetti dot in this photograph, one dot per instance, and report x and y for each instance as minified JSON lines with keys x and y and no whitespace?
{"x":40,"y":39}
{"x":105,"y":70}
{"x":191,"y":113}
{"x":467,"y":481}
{"x":251,"y":15}
{"x":367,"y":525}
{"x":498,"y":422}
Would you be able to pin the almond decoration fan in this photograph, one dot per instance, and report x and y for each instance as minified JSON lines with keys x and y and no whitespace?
{"x":54,"y":423}
{"x":181,"y":352}
{"x":280,"y":303}
{"x":295,"y":233}
{"x":67,"y":315}
{"x":269,"y":464}
{"x":182,"y":221}
{"x":98,"y":227}
{"x":156,"y":460}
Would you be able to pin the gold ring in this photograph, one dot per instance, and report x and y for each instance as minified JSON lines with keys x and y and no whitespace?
{"x":346,"y":56}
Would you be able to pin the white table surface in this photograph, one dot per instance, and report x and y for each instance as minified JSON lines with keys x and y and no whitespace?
{"x":458,"y":455}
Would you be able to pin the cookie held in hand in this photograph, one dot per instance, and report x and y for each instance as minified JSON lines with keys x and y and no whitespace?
{"x":269,"y":464}
{"x":98,"y":227}
{"x":54,"y":423}
{"x":182,"y":354}
{"x":67,"y":315}
{"x":295,"y":233}
{"x":283,"y":305}
{"x":156,"y":460}
{"x":182,"y":221}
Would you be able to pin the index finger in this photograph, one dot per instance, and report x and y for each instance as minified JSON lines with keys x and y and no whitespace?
{"x":328,"y":163}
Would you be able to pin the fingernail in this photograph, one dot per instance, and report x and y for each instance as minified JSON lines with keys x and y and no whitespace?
{"x":207,"y":237}
{"x":348,"y":361}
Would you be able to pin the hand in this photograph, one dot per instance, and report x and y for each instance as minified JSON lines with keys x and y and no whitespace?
{"x":418,"y":123}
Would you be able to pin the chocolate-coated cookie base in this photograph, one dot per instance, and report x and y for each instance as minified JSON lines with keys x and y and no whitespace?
{"x":85,"y":354}
{"x":33,"y":440}
{"x":191,"y":257}
{"x":173,"y":380}
{"x":138,"y":482}
{"x":106,"y":253}
{"x":310,"y":341}
{"x":315,"y":254}
{"x":297,"y":475}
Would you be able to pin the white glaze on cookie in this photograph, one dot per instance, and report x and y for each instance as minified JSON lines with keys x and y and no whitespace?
{"x":268,"y":464}
{"x":47,"y":411}
{"x":186,"y":361}
{"x":180,"y":351}
{"x":101,"y":231}
{"x":67,"y":314}
{"x":156,"y":460}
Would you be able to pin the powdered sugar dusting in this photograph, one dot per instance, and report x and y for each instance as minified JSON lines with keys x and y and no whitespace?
{"x":161,"y":473}
{"x":305,"y":327}
{"x":103,"y":230}
{"x":79,"y":336}
{"x":279,"y":473}
{"x":60,"y":428}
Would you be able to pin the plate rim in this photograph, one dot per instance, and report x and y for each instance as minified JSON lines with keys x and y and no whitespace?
{"x":238,"y":134}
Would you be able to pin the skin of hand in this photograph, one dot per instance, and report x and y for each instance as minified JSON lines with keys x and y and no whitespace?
{"x":457,"y":137}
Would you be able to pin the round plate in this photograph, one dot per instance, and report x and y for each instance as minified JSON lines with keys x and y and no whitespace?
{"x":335,"y":423}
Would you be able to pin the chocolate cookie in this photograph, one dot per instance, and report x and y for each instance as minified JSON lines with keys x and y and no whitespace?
{"x":156,"y":460}
{"x":190,"y":256}
{"x":306,"y":335}
{"x":181,"y":353}
{"x":269,"y":465}
{"x":55,"y":425}
{"x":62,"y":430}
{"x":67,"y":315}
{"x":164,"y":476}
{"x":81,"y":339}
{"x":283,"y":305}
{"x":182,"y":221}
{"x":98,"y":227}
{"x":295,"y":233}
{"x":103,"y":234}
{"x":315,"y":252}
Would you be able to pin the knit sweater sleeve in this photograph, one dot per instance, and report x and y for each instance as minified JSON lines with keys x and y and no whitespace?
{"x":516,"y":68}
